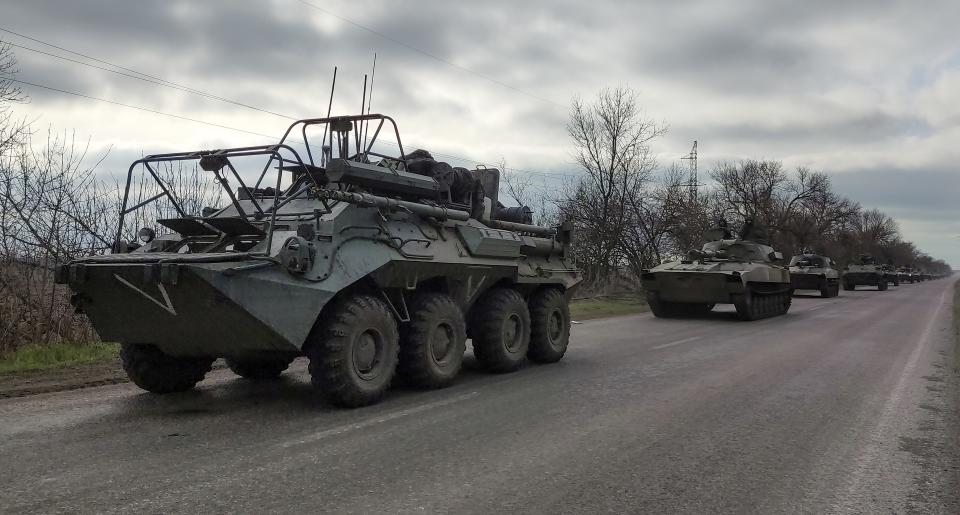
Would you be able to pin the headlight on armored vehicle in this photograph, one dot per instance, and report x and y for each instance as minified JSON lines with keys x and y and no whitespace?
{"x":146,"y":235}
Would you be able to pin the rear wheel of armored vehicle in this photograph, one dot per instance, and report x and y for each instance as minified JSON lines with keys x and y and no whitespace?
{"x":432,"y":343}
{"x":258,"y":369}
{"x":549,"y":326}
{"x":500,"y":325}
{"x":153,"y":370}
{"x":353,"y":352}
{"x":849,"y":286}
{"x":882,"y":285}
{"x":896,"y":282}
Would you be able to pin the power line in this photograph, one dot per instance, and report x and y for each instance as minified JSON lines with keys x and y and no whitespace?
{"x":159,"y":81}
{"x":430,"y":55}
{"x":139,"y":108}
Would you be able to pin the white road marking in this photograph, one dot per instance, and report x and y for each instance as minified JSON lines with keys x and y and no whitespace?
{"x":868,"y":460}
{"x":320,"y":435}
{"x":678,"y":342}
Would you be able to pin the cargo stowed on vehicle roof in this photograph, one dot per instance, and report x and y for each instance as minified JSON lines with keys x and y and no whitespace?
{"x":727,"y":270}
{"x":372,"y":265}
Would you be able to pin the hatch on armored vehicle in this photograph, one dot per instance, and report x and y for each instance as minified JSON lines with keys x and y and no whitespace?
{"x":371,"y":264}
{"x":815,"y":272}
{"x":727,"y":270}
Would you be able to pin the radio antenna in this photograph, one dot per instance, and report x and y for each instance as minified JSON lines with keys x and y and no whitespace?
{"x":363,"y":104}
{"x":323,"y":141}
{"x":373,"y":75}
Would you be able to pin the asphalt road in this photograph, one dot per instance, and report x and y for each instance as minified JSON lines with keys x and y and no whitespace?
{"x":844,"y":405}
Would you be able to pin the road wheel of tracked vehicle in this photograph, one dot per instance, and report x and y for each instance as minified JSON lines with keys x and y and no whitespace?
{"x":432,"y":343}
{"x":353,"y":352}
{"x":826,"y":289}
{"x":549,"y":326}
{"x":835,"y":289}
{"x":154,"y":371}
{"x":501,"y":330}
{"x":258,"y":369}
{"x":659,"y":308}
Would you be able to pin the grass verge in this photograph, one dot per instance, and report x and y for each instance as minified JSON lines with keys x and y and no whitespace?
{"x":585,"y":309}
{"x":43,"y":357}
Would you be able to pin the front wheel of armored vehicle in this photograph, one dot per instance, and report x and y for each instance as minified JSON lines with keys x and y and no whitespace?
{"x":500,"y":325}
{"x":549,"y":326}
{"x":432,"y":343}
{"x":353,"y":352}
{"x":258,"y":369}
{"x":154,"y":371}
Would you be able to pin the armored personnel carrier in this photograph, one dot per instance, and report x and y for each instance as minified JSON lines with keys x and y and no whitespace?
{"x":371,"y":264}
{"x":727,"y":270}
{"x":815,"y":272}
{"x":864,"y":273}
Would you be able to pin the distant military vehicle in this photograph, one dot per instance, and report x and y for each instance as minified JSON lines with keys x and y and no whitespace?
{"x":891,"y":274}
{"x":372,"y":265}
{"x":815,"y":272}
{"x":864,"y":273}
{"x":905,"y":275}
{"x":727,"y":270}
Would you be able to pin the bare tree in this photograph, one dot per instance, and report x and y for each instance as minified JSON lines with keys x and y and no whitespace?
{"x":611,"y":138}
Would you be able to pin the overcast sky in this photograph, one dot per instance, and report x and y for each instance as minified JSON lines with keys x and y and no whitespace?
{"x":867,"y":91}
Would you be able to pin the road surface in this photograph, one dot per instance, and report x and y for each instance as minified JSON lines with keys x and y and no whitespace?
{"x":844,"y":405}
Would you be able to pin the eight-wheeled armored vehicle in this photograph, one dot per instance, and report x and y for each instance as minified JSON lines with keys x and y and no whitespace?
{"x":371,"y":262}
{"x":815,"y":272}
{"x":866,"y":272}
{"x":727,"y":270}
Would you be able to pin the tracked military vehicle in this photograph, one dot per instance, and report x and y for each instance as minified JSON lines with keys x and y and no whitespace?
{"x":727,"y":270}
{"x":864,"y":273}
{"x":903,"y":273}
{"x":371,"y":264}
{"x":890,"y":273}
{"x":815,"y":272}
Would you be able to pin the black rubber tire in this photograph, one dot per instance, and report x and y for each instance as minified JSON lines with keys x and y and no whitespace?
{"x":258,"y":369}
{"x":500,"y":324}
{"x":835,"y":290}
{"x":358,"y":327}
{"x":154,"y":371}
{"x":549,"y":326}
{"x":435,"y":319}
{"x":882,"y":285}
{"x":896,"y":282}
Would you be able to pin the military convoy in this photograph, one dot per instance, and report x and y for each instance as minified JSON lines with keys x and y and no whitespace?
{"x":727,"y":270}
{"x":377,"y":266}
{"x":372,"y":265}
{"x":815,"y":272}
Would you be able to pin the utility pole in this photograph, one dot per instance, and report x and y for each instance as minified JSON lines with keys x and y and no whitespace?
{"x":693,"y":184}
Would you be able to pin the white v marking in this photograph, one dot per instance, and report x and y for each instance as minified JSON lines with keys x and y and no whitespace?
{"x":166,"y":305}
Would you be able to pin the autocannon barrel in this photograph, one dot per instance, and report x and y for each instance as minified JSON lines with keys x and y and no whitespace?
{"x":389,"y":203}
